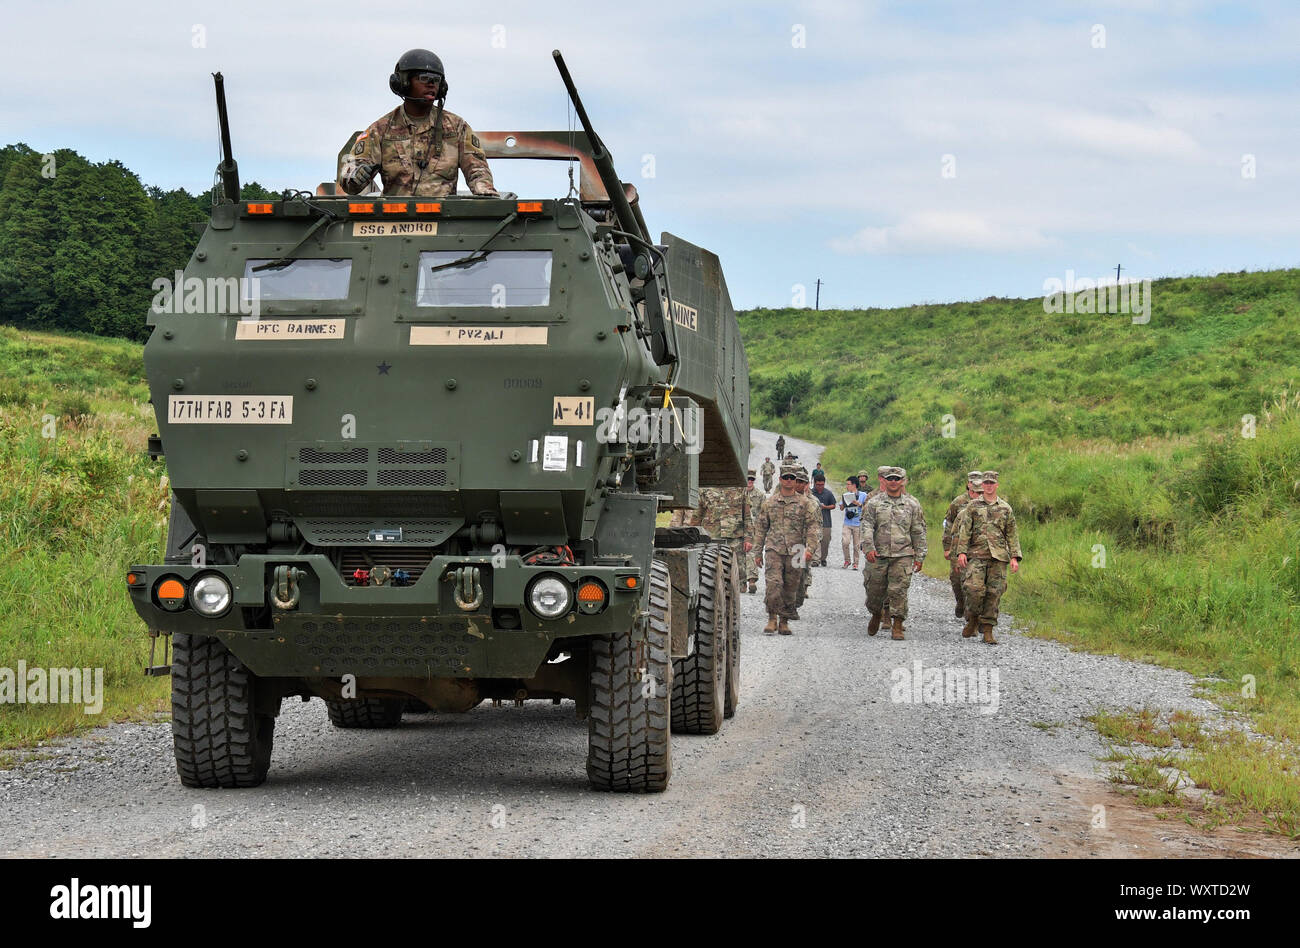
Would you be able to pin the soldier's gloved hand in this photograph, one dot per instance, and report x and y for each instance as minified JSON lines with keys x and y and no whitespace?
{"x":356,"y":176}
{"x":871,"y":556}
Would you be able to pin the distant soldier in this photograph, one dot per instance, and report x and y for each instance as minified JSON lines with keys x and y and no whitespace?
{"x":756,"y":498}
{"x":865,"y":482}
{"x":780,"y":447}
{"x":783,"y":536}
{"x":769,"y":471}
{"x":959,"y":502}
{"x":724,"y":513}
{"x":851,"y":532}
{"x":984,"y":542}
{"x":893,"y":537}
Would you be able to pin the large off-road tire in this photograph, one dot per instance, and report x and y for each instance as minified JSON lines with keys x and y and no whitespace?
{"x":366,"y":712}
{"x":629,"y":744}
{"x":415,"y":706}
{"x":220,"y":740}
{"x":731,"y":572}
{"x":700,"y":679}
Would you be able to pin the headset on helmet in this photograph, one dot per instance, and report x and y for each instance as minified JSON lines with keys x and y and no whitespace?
{"x":416,"y":60}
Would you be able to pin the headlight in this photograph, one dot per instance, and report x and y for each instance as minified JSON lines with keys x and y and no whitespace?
{"x":210,"y":595}
{"x":550,"y":597}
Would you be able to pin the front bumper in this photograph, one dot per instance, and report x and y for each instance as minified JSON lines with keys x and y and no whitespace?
{"x":414,"y":631}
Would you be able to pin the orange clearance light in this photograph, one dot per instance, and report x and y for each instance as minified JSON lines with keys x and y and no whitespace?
{"x":361,"y":208}
{"x":259,"y":209}
{"x":428,"y":208}
{"x":171,"y":594}
{"x":395,"y":208}
{"x":133,"y":579}
{"x":629,"y":582}
{"x":591,"y":592}
{"x":529,"y":207}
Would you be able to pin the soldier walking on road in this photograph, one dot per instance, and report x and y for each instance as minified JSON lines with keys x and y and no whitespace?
{"x":893,"y":537}
{"x":984,"y":542}
{"x":769,"y":471}
{"x":724,"y":515}
{"x":780,"y":447}
{"x":783,"y":536}
{"x":801,"y":485}
{"x":959,"y":502}
{"x":755,"y":498}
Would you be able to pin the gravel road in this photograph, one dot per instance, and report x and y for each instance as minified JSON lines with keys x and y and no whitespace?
{"x":829,"y":755}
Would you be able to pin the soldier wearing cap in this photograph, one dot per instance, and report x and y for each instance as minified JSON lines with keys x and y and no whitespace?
{"x":755,"y":498}
{"x":959,"y":502}
{"x":893,"y":537}
{"x":801,"y":485}
{"x":783,"y":536}
{"x":864,"y":484}
{"x":769,"y":471}
{"x":984,"y":542}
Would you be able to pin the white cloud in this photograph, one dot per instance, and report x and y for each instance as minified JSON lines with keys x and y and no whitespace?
{"x":942,"y":231}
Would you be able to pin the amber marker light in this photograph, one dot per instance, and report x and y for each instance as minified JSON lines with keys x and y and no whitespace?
{"x":529,"y":207}
{"x":361,"y":208}
{"x":396,"y":208}
{"x":428,"y":208}
{"x":171,"y":594}
{"x":259,"y":208}
{"x":591,"y":592}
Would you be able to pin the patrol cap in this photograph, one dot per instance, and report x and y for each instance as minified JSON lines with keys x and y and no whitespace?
{"x":990,"y":476}
{"x":863,"y":475}
{"x":893,"y":472}
{"x":801,"y":475}
{"x":883,"y":470}
{"x":751,"y":473}
{"x":975,"y":476}
{"x":790,"y":469}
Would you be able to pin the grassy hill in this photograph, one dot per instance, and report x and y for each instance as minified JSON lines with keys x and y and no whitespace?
{"x":1110,"y":437}
{"x":1154,"y":469}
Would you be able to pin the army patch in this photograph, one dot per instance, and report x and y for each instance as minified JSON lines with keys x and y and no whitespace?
{"x":473,"y":139}
{"x":360,"y":146}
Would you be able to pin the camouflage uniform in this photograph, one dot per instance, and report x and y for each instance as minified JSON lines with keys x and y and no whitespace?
{"x":780,"y":447}
{"x":769,"y":471}
{"x":724,"y":516}
{"x":894,"y":529}
{"x":396,"y":144}
{"x":949,"y":525}
{"x":755,"y":498}
{"x":987,"y":534}
{"x":685,"y":517}
{"x":816,"y":509}
{"x":783,"y":530}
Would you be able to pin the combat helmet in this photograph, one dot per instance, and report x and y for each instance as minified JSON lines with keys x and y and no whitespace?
{"x":416,"y":60}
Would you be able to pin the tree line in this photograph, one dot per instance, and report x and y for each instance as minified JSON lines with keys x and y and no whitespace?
{"x":81,"y":242}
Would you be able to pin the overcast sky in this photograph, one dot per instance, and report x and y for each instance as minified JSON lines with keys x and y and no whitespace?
{"x":901,"y":152}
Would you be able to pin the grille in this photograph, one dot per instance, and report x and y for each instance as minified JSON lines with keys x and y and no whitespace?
{"x":353,"y":532}
{"x":332,"y":477}
{"x":414,"y":560}
{"x":410,"y":644}
{"x":394,"y":456}
{"x":411,"y":477}
{"x":318,"y":456}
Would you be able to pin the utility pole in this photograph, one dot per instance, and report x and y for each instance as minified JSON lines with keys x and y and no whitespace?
{"x":818,"y":303}
{"x":1118,"y":266}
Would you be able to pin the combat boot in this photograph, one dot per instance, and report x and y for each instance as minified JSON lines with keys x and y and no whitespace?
{"x":961,"y":609}
{"x":784,"y":628}
{"x":874,"y":625}
{"x":795,"y":616}
{"x":753,"y":588}
{"x":968,"y":630}
{"x":897,"y":634}
{"x":770,"y":628}
{"x":987,"y":629}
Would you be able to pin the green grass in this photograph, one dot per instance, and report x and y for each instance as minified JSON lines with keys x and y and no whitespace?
{"x":76,"y":509}
{"x":1152,"y":526}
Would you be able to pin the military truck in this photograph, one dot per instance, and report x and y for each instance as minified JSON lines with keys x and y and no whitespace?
{"x":418,"y":466}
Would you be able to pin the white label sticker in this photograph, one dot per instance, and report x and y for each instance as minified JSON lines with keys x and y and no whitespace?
{"x":573,"y":410}
{"x":394,"y":228}
{"x":230,"y":409}
{"x":478,"y":335}
{"x":293,"y":329}
{"x":684,"y":315}
{"x":555,"y":453}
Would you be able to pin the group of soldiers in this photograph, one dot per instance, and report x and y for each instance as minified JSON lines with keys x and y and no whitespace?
{"x":781,"y":532}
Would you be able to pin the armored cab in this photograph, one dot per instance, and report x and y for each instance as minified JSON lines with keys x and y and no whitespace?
{"x":416,"y":449}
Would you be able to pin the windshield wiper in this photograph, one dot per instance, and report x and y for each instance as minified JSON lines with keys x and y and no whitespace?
{"x":473,"y":256}
{"x":326,"y":216}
